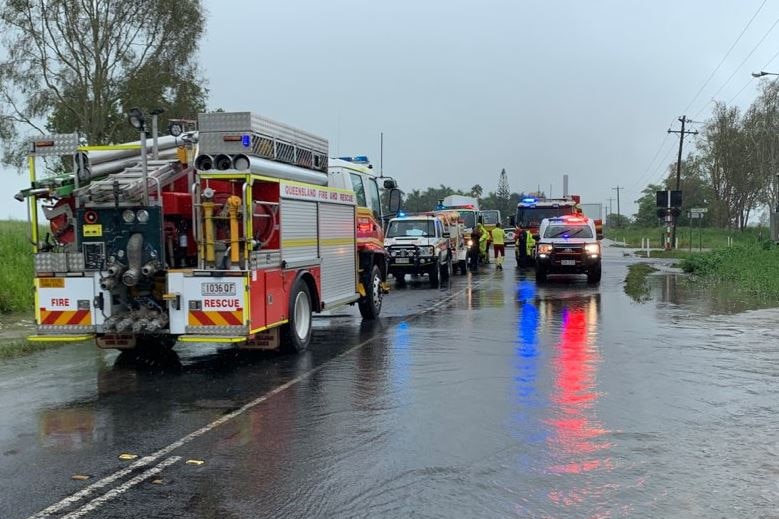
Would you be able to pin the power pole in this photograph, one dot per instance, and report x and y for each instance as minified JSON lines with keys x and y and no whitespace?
{"x":682,"y":134}
{"x":611,"y":211}
{"x":619,"y":213}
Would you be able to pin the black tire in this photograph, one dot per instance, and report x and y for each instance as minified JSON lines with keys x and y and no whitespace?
{"x":296,"y":334}
{"x":463,"y":267}
{"x":593,"y":275}
{"x":370,"y":305}
{"x":400,"y":278}
{"x":540,"y":275}
{"x":434,"y":274}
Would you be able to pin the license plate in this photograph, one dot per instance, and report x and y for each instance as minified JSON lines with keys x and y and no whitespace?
{"x":217,"y":289}
{"x":402,"y":260}
{"x":568,"y":263}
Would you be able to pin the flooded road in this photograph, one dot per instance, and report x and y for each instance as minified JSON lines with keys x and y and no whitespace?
{"x":492,"y":397}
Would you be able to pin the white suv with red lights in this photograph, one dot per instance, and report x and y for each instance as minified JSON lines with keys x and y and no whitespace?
{"x":568,"y":245}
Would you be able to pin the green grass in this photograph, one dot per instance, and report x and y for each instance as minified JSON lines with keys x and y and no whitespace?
{"x":710,"y":238}
{"x":753,"y":268}
{"x":636,"y":285}
{"x":16,"y":267}
{"x":21,"y":347}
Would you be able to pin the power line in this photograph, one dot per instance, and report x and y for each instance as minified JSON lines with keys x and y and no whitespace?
{"x":649,"y":168}
{"x":770,"y":29}
{"x":751,"y":81}
{"x":732,"y":46}
{"x":654,"y":158}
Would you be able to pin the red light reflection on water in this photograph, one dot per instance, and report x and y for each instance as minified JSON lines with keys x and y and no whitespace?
{"x":575,"y":433}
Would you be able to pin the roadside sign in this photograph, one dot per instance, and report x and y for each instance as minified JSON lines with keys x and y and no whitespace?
{"x":662,"y":198}
{"x":695,"y":215}
{"x":699,"y":210}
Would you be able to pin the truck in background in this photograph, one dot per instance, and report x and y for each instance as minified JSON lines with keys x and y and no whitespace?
{"x":468,"y":209}
{"x":594,"y":211}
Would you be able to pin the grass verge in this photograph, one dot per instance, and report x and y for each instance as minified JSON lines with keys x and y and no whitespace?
{"x":635,"y":283}
{"x":16,"y":267}
{"x":21,"y":347}
{"x":709,"y":238}
{"x":753,"y":268}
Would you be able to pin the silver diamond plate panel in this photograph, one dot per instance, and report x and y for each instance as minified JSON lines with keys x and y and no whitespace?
{"x":56,"y":144}
{"x":51,"y":262}
{"x":217,"y":330}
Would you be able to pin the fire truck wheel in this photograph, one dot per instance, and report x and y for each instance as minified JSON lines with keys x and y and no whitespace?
{"x":370,"y":305}
{"x":297,"y":331}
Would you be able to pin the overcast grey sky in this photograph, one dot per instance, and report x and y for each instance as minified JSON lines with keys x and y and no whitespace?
{"x":462,"y":88}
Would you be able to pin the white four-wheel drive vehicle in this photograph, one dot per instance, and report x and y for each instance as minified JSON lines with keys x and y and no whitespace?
{"x":420,"y":244}
{"x":568,"y":245}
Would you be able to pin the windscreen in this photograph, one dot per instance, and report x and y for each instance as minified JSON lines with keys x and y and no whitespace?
{"x":532,"y":216}
{"x":490,"y":217}
{"x":568,"y":231}
{"x":411,"y":228}
{"x":469,"y":219}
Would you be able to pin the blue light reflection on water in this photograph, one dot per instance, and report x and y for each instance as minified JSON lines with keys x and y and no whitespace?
{"x":527,"y":397}
{"x":401,"y":357}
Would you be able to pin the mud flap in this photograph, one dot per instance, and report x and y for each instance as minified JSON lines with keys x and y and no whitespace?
{"x":264,"y":340}
{"x":115,"y":342}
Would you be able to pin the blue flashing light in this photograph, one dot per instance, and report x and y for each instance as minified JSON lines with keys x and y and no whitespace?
{"x":529,"y":200}
{"x":358,"y":159}
{"x":246,"y":140}
{"x":401,"y":213}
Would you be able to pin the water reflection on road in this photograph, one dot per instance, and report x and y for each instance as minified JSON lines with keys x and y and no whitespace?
{"x":518,"y":400}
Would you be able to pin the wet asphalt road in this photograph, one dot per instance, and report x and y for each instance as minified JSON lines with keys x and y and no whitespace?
{"x":490,"y":397}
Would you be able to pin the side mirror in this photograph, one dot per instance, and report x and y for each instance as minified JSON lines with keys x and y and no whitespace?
{"x":394,"y":200}
{"x":536,"y":237}
{"x":389,"y":183}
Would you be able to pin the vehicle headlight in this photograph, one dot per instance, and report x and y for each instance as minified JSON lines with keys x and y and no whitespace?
{"x":544,"y":248}
{"x":128,"y":215}
{"x":427,"y":251}
{"x":143,"y":216}
{"x":394,"y":253}
{"x":592,"y":248}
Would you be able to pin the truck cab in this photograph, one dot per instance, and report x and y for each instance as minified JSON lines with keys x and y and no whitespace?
{"x":419,"y":244}
{"x":568,"y":245}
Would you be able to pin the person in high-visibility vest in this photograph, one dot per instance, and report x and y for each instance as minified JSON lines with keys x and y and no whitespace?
{"x":498,"y":245}
{"x":531,"y":245}
{"x":485,"y":235}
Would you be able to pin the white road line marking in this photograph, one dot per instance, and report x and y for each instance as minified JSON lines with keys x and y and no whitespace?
{"x":152,"y":458}
{"x":121,"y":489}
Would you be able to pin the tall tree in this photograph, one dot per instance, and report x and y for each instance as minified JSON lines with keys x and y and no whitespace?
{"x":79,"y":66}
{"x":503,"y":194}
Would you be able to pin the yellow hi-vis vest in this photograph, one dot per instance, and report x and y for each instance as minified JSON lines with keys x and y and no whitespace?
{"x":498,"y":236}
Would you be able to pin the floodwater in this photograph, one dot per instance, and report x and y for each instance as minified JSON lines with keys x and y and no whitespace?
{"x":509,"y":399}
